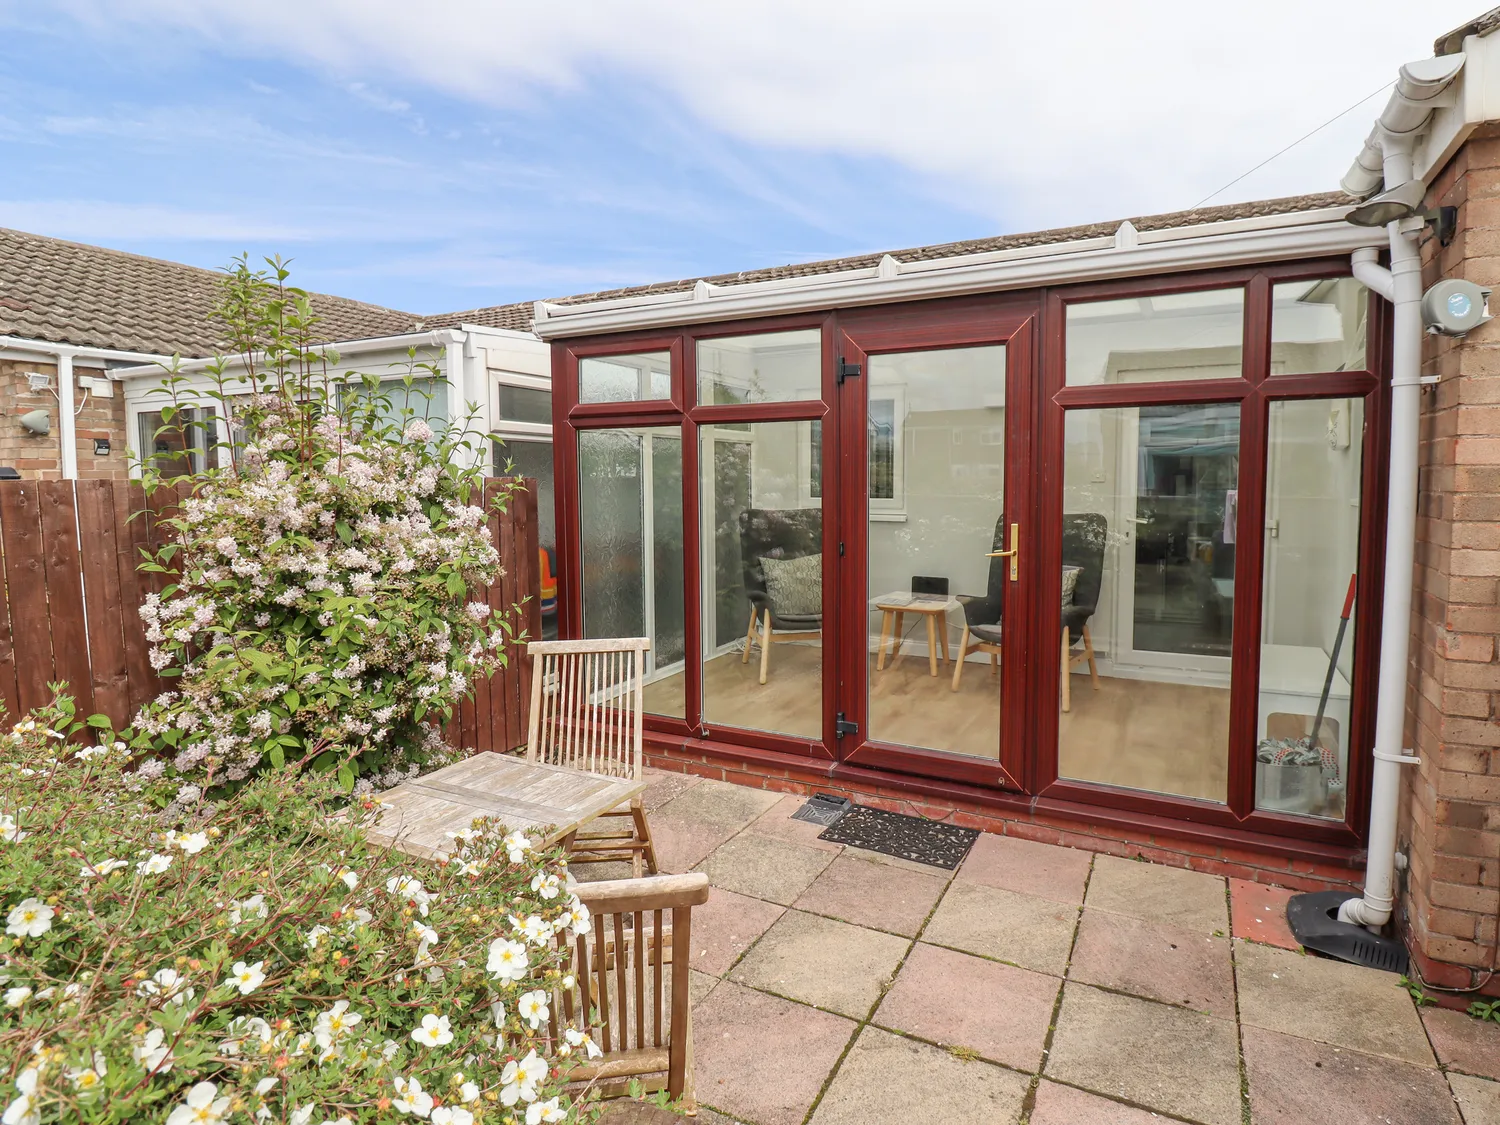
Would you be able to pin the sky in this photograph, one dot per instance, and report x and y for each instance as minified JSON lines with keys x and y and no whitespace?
{"x":443,"y":155}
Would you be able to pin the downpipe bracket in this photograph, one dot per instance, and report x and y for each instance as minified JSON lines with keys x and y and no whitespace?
{"x":1405,"y":758}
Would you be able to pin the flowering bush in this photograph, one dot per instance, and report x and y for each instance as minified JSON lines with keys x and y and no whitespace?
{"x":320,"y":614}
{"x":260,"y":962}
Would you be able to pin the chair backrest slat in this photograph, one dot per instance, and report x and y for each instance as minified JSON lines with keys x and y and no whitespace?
{"x":587,"y":705}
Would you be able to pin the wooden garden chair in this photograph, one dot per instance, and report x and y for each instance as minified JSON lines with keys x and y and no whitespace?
{"x":631,"y":990}
{"x":586,"y":704}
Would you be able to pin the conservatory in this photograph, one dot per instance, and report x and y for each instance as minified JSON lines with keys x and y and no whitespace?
{"x":1087,"y":521}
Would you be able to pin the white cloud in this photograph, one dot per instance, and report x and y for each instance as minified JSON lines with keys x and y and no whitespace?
{"x":1028,"y":113}
{"x":87,"y":220}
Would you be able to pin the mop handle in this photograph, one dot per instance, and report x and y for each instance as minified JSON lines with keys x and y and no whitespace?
{"x":1333,"y":663}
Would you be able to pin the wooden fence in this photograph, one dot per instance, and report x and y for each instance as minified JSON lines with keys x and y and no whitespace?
{"x":69,"y":552}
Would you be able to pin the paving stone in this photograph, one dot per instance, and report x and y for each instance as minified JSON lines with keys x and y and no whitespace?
{"x":1464,"y":1043}
{"x":1167,"y":1058}
{"x":1299,"y":1082}
{"x":886,"y":1078}
{"x":699,"y":986}
{"x":664,"y":785}
{"x":1330,"y":1001}
{"x":1153,"y":892}
{"x":765,"y":867}
{"x":960,"y":1001}
{"x":600,"y":872}
{"x":637,"y":1113}
{"x":691,"y":825}
{"x":725,"y":926}
{"x":777,"y":821}
{"x":761,"y":1058}
{"x":1165,"y":963}
{"x":1062,"y":1105}
{"x":1031,"y":932}
{"x":1013,"y":864}
{"x":820,"y":961}
{"x":1258,"y":913}
{"x":1479,"y":1099}
{"x":873,"y":894}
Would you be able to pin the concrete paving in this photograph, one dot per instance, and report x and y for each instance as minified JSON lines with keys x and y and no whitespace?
{"x":1037,"y":985}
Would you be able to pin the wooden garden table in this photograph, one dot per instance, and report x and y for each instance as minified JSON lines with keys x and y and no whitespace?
{"x":525,"y":796}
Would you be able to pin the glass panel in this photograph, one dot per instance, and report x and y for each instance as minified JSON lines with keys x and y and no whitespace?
{"x":514,"y":457}
{"x":1318,"y":326}
{"x":182,"y":448}
{"x":631,"y":521}
{"x":1156,"y":339}
{"x":763,"y":580}
{"x":625,"y":378}
{"x":525,"y":404}
{"x":1314,"y":468}
{"x":426,"y":398}
{"x":770,"y":367}
{"x":1150,"y":498}
{"x":936,"y":482}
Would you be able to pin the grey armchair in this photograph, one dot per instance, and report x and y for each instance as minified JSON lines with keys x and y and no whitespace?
{"x":776,"y":533}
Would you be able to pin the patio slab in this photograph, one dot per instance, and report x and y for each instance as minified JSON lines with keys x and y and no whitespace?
{"x":725,"y":926}
{"x":1170,"y":896}
{"x":822,"y":962}
{"x":761,"y":1058}
{"x":1167,"y":1058}
{"x":960,"y":1001}
{"x":694,"y":823}
{"x":1479,"y":1099}
{"x":699,"y":986}
{"x":1034,"y":933}
{"x":1057,"y":1104}
{"x":1043,"y":870}
{"x":664,"y":785}
{"x":1330,"y":1001}
{"x":1258,"y":913}
{"x":1298,"y":1082}
{"x":1165,"y":963}
{"x":1464,"y":1043}
{"x":765,"y":867}
{"x":777,"y":821}
{"x":872,"y":894}
{"x":887,"y":1078}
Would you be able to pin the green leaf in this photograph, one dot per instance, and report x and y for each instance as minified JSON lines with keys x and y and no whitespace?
{"x":346,"y":778}
{"x":345,"y":532}
{"x":278,"y":757}
{"x":292,"y":700}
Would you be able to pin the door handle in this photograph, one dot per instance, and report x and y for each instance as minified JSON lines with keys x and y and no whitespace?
{"x":1013,"y":554}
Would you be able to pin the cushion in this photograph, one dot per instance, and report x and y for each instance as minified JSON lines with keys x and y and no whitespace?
{"x":987,"y":633}
{"x":794,"y":586}
{"x":1070,"y":584}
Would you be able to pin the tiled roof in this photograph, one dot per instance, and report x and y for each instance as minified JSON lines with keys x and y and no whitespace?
{"x":72,"y":293}
{"x":519,"y":316}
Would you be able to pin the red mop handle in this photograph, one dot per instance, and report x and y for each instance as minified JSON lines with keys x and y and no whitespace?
{"x":1349,"y":599}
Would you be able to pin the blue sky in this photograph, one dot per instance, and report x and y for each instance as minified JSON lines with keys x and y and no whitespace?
{"x":479,"y":153}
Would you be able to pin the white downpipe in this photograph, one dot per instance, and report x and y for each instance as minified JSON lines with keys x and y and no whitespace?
{"x":1402,"y":285}
{"x":67,"y":429}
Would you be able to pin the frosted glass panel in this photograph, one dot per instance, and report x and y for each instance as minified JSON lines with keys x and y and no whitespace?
{"x":1156,"y":339}
{"x":625,"y":378}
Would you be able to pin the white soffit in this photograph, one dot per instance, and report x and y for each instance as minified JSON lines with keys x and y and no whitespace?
{"x":1126,"y":253}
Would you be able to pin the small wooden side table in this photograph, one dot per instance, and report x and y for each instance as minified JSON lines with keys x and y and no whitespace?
{"x":894,"y":608}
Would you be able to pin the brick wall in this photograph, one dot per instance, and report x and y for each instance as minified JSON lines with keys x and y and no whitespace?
{"x":1451,"y":803}
{"x":38,"y":455}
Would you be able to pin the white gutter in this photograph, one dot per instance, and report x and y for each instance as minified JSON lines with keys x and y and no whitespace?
{"x":62,"y":355}
{"x":1421,"y":88}
{"x":1128,"y":253}
{"x":437,"y":338}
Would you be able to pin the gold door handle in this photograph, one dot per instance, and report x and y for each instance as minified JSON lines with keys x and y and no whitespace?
{"x":1013,"y":554}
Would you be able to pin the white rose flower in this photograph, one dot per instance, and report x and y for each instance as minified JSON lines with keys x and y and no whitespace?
{"x":507,"y":960}
{"x":15,"y":997}
{"x":201,"y":1107}
{"x":519,"y":1079}
{"x":154,"y":864}
{"x":533,"y":1008}
{"x":413,"y":1099}
{"x":549,"y":1110}
{"x":191,"y":842}
{"x":23,"y":1110}
{"x":246,"y":978}
{"x":32,"y":918}
{"x":433,"y":1031}
{"x":8,"y":830}
{"x":152,"y":1053}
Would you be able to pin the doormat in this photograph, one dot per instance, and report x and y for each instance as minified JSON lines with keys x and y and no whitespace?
{"x":824,"y":809}
{"x":906,"y":837}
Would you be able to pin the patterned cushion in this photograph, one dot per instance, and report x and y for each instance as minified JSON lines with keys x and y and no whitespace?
{"x":795,"y":586}
{"x":1070,"y":583}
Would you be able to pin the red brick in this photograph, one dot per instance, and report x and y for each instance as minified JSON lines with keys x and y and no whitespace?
{"x":1452,"y":923}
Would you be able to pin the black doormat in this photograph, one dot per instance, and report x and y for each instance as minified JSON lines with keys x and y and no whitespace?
{"x":906,"y":837}
{"x":824,"y":809}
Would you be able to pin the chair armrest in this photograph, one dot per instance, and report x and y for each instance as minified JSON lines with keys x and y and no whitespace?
{"x":656,"y":892}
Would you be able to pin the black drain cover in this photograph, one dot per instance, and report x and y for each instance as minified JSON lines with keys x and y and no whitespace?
{"x":1315,"y":923}
{"x":823,"y":808}
{"x":907,"y":837}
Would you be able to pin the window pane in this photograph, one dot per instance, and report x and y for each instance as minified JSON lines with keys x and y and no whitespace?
{"x":425,"y":398}
{"x":1156,"y":339}
{"x":1311,"y":545}
{"x":631,"y":517}
{"x":625,"y":378}
{"x":770,"y":367}
{"x":525,"y":404}
{"x":1150,"y":500}
{"x":934,"y":599}
{"x":534,"y":459}
{"x":763,"y":580}
{"x":1318,"y":326}
{"x":182,"y":448}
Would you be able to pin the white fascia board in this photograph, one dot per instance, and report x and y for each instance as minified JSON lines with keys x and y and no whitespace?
{"x":27,"y":348}
{"x":1477,"y":100}
{"x":437,"y":338}
{"x":504,"y":333}
{"x":1239,"y":242}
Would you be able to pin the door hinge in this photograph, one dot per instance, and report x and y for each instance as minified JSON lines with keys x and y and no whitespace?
{"x":848,"y":370}
{"x":842,"y":726}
